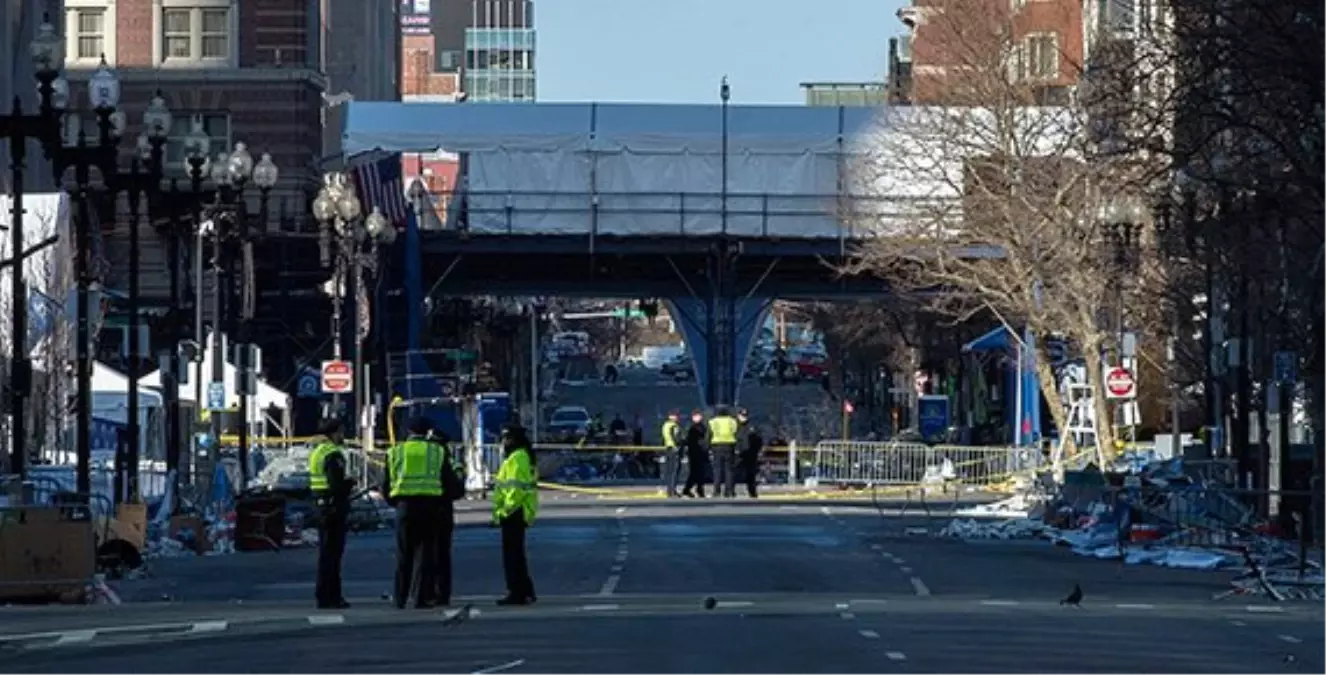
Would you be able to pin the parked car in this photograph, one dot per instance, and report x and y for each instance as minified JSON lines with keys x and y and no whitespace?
{"x":569,"y":424}
{"x":679,"y":369}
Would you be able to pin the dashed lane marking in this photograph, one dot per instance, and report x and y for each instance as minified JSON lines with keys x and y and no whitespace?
{"x":1134,"y":605}
{"x":732,"y":604}
{"x":1290,"y":639}
{"x":920,"y":587}
{"x":905,"y":569}
{"x":896,"y":656}
{"x":600,"y":608}
{"x":898,"y":560}
{"x":868,"y":634}
{"x":1236,"y":622}
{"x":1264,"y":609}
{"x":76,"y":637}
{"x":841,"y":605}
{"x":616,"y":568}
{"x":847,"y":616}
{"x":610,"y":585}
{"x":326,"y":619}
{"x":209,"y":627}
{"x":877,"y":547}
{"x":1000,"y":603}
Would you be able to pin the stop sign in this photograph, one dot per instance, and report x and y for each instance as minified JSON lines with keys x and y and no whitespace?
{"x":1119,"y":383}
{"x":337,"y":377}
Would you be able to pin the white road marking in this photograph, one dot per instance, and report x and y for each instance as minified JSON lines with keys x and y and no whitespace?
{"x":326,"y":619}
{"x":1265,"y":609}
{"x":610,"y":585}
{"x":209,"y":627}
{"x":841,"y":605}
{"x":847,"y":616}
{"x":730,"y":604}
{"x":600,"y":608}
{"x":877,"y":547}
{"x":1290,"y":639}
{"x":1000,"y":603}
{"x":825,"y":510}
{"x":920,"y":587}
{"x":898,"y":560}
{"x":621,"y":509}
{"x":905,"y":569}
{"x":499,"y":668}
{"x":1236,"y":622}
{"x":76,"y":637}
{"x":621,"y":557}
{"x":869,"y":634}
{"x":616,"y":568}
{"x":1134,"y":605}
{"x":896,"y":656}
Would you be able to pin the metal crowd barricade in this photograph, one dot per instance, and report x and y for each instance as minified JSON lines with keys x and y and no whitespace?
{"x":863,"y":463}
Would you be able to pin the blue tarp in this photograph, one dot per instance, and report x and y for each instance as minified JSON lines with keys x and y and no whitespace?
{"x":1027,"y":430}
{"x":749,"y":316}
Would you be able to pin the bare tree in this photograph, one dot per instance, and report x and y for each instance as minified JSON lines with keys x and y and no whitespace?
{"x":991,"y":201}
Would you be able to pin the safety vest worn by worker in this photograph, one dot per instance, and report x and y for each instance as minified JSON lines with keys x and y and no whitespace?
{"x":516,"y":487}
{"x":723,"y":430}
{"x":416,"y":469}
{"x":670,"y":434}
{"x":317,"y":465}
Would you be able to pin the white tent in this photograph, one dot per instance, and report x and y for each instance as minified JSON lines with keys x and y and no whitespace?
{"x":267,"y":396}
{"x":110,"y":401}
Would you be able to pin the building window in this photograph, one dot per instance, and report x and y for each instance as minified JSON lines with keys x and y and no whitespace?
{"x":1038,"y":57}
{"x":195,"y":34}
{"x":216,"y":125}
{"x":91,"y":33}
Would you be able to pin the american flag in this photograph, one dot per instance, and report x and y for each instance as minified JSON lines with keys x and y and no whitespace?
{"x":379,"y":184}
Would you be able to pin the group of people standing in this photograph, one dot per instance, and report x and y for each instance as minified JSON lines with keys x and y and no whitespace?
{"x":722,"y":445}
{"x":423,"y":479}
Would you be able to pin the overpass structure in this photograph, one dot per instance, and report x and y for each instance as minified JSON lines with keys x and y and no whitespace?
{"x":714,"y":209}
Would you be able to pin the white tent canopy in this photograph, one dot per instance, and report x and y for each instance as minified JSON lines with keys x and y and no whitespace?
{"x":266,"y":397}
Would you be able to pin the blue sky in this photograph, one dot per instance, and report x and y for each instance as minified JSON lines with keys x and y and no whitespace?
{"x":675,"y":51}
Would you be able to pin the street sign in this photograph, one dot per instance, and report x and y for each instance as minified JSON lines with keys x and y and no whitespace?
{"x":1119,"y":383}
{"x":337,"y":377}
{"x":216,"y":396}
{"x":1286,"y":367}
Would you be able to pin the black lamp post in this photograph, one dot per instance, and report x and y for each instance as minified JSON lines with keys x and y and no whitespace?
{"x":225,"y":223}
{"x":47,"y":51}
{"x":349,"y":246}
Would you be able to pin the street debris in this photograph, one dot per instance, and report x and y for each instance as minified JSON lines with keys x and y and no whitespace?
{"x":1148,"y":512}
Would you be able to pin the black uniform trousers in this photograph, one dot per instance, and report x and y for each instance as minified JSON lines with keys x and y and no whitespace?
{"x":333,"y":523}
{"x":515,"y":565}
{"x":671,"y":471}
{"x":446,"y":528}
{"x":725,"y":478}
{"x":750,"y":467}
{"x":698,"y":461}
{"x":416,"y":547}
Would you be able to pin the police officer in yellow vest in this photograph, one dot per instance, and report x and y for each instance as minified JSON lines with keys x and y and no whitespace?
{"x":515,"y":505}
{"x":723,"y":428}
{"x":672,"y":453}
{"x":331,"y":490}
{"x":453,"y":488}
{"x":413,"y":484}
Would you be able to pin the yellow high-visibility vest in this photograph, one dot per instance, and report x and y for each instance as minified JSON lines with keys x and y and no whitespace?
{"x":516,"y":487}
{"x":416,"y":469}
{"x":317,"y":465}
{"x":670,"y":434}
{"x":723,"y":430}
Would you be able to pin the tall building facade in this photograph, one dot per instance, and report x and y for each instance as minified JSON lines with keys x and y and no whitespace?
{"x":489,"y":44}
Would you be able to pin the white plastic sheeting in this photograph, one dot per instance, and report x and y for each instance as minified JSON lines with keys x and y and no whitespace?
{"x":633,"y":169}
{"x":630,"y":169}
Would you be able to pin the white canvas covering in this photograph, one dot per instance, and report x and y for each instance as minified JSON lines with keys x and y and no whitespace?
{"x":267,"y":395}
{"x":655,"y":169}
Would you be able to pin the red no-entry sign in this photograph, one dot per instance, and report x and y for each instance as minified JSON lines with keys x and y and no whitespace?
{"x":337,"y":377}
{"x":1119,"y":383}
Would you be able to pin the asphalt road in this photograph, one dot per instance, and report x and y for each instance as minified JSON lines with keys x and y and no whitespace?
{"x":799,"y":588}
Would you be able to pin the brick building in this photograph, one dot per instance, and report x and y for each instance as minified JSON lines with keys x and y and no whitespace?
{"x":947,"y":37}
{"x":427,"y":77}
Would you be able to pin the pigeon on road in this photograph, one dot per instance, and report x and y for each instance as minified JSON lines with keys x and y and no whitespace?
{"x":461,"y":615}
{"x":1074,"y":599}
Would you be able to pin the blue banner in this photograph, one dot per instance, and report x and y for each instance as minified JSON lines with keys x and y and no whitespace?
{"x":933,"y":417}
{"x":691,"y":314}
